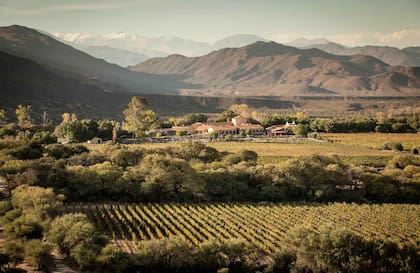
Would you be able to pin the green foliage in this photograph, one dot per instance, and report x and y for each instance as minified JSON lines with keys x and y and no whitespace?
{"x":340,"y":250}
{"x":113,"y":259}
{"x":247,"y":155}
{"x":86,"y":159}
{"x":2,"y":114}
{"x":165,"y":255}
{"x":214,"y":135}
{"x":301,"y":130}
{"x":23,"y":115}
{"x":228,"y":137}
{"x":190,"y":150}
{"x":37,"y":252}
{"x":36,"y":201}
{"x":26,"y":152}
{"x":125,"y":158}
{"x":77,"y":238}
{"x":65,"y":151}
{"x":43,"y":137}
{"x":192,"y":118}
{"x":24,"y":227}
{"x":396,"y":146}
{"x":166,"y":178}
{"x":77,"y":130}
{"x":138,"y":116}
{"x":181,"y":133}
{"x":226,"y":116}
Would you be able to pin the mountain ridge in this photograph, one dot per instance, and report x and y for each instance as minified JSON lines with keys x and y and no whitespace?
{"x":276,"y":69}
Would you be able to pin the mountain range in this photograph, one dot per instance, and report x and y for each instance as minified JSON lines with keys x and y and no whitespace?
{"x":51,"y":75}
{"x":155,"y":46}
{"x":409,"y":56}
{"x":268,"y":68}
{"x":149,"y":47}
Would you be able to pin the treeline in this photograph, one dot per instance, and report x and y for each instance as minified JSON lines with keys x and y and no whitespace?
{"x":192,"y":171}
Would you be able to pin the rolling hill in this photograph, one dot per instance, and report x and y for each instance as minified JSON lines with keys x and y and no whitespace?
{"x":268,"y":68}
{"x":40,"y":48}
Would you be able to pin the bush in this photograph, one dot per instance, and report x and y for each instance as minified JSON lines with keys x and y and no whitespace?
{"x":26,"y":152}
{"x":190,"y":150}
{"x":65,"y":151}
{"x":44,"y":137}
{"x":181,"y":133}
{"x":415,"y":151}
{"x":86,"y":159}
{"x":396,"y":146}
{"x":125,"y":158}
{"x":247,"y":155}
{"x":301,"y":130}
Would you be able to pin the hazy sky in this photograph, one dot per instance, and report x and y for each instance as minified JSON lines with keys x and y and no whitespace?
{"x":352,"y":22}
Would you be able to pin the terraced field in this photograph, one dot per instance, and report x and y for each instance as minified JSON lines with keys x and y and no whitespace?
{"x":265,"y":225}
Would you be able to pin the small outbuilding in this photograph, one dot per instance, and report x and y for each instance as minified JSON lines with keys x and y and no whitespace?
{"x":95,"y":140}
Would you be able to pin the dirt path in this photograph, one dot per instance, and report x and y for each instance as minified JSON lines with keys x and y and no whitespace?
{"x":57,"y":265}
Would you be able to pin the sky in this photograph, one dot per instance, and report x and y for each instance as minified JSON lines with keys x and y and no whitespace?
{"x":350,"y":22}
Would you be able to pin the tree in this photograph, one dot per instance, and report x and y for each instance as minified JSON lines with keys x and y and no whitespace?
{"x":2,"y":114}
{"x":242,"y":109}
{"x":77,"y":238}
{"x":139,"y":118}
{"x":226,"y":115}
{"x":23,"y":115}
{"x":35,"y":200}
{"x":300,"y":116}
{"x":37,"y":252}
{"x":301,"y":130}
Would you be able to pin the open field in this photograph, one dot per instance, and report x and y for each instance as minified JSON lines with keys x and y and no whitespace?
{"x":358,"y":148}
{"x":265,"y":225}
{"x":374,"y":140}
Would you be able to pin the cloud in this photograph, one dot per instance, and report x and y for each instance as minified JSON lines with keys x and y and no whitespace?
{"x":402,"y":38}
{"x":70,"y":7}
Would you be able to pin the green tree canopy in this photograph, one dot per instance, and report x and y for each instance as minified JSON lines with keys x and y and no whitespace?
{"x":139,"y":118}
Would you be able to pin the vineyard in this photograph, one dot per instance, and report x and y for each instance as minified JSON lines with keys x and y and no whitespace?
{"x":265,"y":225}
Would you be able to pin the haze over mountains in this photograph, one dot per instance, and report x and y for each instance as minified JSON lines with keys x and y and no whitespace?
{"x":49,"y":74}
{"x":155,"y":46}
{"x":125,"y":46}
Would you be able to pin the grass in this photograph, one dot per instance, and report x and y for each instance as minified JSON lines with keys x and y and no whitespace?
{"x":374,"y":140}
{"x":357,"y":149}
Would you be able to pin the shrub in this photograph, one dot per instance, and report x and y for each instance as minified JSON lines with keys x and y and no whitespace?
{"x":396,"y":146}
{"x":247,"y":155}
{"x":44,"y":137}
{"x":26,"y":152}
{"x":65,"y":151}
{"x":228,"y":137}
{"x":181,"y":133}
{"x":86,"y":159}
{"x":190,"y":150}
{"x":415,"y":151}
{"x":125,"y":158}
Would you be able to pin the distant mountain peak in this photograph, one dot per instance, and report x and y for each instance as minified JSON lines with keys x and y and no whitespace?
{"x":303,"y":42}
{"x":271,"y":48}
{"x":238,"y":40}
